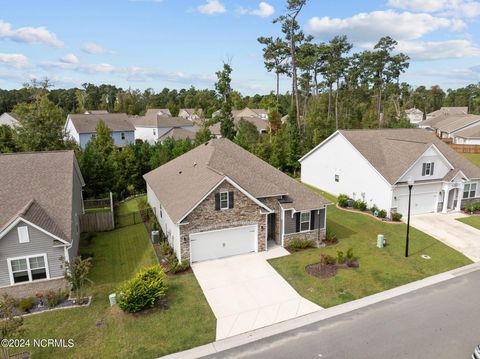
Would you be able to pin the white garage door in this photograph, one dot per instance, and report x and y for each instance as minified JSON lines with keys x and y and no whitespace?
{"x":222,"y":243}
{"x":421,"y":203}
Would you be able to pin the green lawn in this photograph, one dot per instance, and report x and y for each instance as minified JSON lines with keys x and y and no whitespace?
{"x":129,"y":206}
{"x":473,"y":221}
{"x":473,"y":157}
{"x":101,"y":331}
{"x":380,"y":269}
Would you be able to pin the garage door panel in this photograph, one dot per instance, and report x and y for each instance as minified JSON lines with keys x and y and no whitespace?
{"x":421,"y":203}
{"x":223,"y":243}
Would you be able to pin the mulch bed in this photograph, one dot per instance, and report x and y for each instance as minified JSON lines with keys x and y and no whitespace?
{"x":368,"y":213}
{"x":68,"y":303}
{"x":327,"y":270}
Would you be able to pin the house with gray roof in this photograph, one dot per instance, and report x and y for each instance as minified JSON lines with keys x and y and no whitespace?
{"x":83,"y":127}
{"x":414,"y":115}
{"x":157,"y":125}
{"x":9,"y":119}
{"x":220,"y":200}
{"x":468,"y":136}
{"x":192,"y":114}
{"x":375,"y":166}
{"x":40,"y":208}
{"x":447,"y":124}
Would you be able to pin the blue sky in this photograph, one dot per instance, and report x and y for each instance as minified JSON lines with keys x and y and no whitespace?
{"x":179,"y":43}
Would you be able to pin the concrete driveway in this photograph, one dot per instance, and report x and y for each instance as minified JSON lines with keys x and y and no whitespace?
{"x":447,"y":229}
{"x":246,"y":293}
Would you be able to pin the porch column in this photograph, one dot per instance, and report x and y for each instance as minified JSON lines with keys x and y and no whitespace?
{"x":446,"y":191}
{"x":458,"y":208}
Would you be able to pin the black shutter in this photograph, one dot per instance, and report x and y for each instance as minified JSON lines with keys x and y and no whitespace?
{"x":431,"y":168}
{"x":297,"y":222}
{"x":424,"y":169}
{"x":230,"y":199}
{"x":217,"y":201}
{"x":313,"y":220}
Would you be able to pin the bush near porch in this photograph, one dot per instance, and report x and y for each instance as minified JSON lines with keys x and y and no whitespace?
{"x":101,"y":331}
{"x":380,"y":269}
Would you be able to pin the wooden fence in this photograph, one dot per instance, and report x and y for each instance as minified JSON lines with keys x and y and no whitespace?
{"x":465,"y":148}
{"x":97,"y":222}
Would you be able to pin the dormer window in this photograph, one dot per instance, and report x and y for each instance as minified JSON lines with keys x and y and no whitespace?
{"x":427,"y":169}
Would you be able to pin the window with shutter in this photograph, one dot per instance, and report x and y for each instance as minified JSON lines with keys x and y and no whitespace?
{"x":230,"y":199}
{"x":223,"y":200}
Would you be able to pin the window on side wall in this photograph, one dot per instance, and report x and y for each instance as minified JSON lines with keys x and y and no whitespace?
{"x":337,"y":178}
{"x":28,"y":269}
{"x":123,"y":136}
{"x":304,"y":221}
{"x":223,"y":200}
{"x":470,"y":190}
{"x":427,"y":169}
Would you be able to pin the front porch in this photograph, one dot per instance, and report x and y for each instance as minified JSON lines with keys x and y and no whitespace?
{"x":450,"y":198}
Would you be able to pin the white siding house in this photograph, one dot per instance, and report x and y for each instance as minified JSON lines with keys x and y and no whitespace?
{"x":9,"y":119}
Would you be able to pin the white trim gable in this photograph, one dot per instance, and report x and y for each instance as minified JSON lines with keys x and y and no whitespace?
{"x":7,"y":229}
{"x":319,"y":145}
{"x":234,"y":184}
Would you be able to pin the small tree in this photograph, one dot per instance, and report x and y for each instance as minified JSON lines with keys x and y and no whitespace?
{"x":75,"y":273}
{"x":10,"y":324}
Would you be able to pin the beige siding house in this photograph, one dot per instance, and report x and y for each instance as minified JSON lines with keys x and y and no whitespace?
{"x":219,"y":200}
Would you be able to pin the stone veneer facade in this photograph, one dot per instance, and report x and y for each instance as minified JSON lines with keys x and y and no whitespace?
{"x":29,"y":289}
{"x":206,"y":218}
{"x":317,"y":235}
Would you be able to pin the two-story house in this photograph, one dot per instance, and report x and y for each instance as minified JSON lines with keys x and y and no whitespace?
{"x":83,"y":127}
{"x":375,"y":166}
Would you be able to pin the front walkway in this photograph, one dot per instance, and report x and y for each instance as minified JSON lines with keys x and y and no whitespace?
{"x":246,"y":293}
{"x":447,"y":229}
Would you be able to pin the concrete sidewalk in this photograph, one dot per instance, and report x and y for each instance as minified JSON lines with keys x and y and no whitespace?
{"x":232,"y":342}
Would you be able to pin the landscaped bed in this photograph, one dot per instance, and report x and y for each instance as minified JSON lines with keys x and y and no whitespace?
{"x":379,"y":269}
{"x":181,"y":321}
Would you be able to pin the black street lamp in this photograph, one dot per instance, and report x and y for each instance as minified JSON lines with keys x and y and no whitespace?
{"x":410,"y":186}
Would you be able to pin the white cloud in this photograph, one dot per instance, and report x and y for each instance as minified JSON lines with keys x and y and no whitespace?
{"x":211,"y":7}
{"x":84,"y":68}
{"x":456,"y":8}
{"x":369,"y":27}
{"x":14,"y":60}
{"x":69,"y":59}
{"x":93,"y":49}
{"x":436,"y":50}
{"x":29,"y":34}
{"x":264,"y":10}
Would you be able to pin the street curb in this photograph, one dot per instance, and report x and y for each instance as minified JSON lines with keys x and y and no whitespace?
{"x":295,"y":323}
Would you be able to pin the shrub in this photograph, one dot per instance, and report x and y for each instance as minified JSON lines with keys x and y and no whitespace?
{"x":143,"y":291}
{"x":382,"y":213}
{"x":340,"y":257}
{"x":342,"y":200}
{"x":298,"y":244}
{"x":329,"y":260}
{"x":331,"y":237}
{"x":180,"y":267}
{"x":153,"y":224}
{"x":142,"y":203}
{"x":54,"y":298}
{"x":362,"y":206}
{"x":165,"y":248}
{"x":25,"y":304}
{"x":374,"y":209}
{"x":474,"y":207}
{"x":396,"y":217}
{"x":351,"y":259}
{"x":350,"y":255}
{"x":355,"y":204}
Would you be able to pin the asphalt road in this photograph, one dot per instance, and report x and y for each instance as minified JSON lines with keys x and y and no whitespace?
{"x":440,"y":321}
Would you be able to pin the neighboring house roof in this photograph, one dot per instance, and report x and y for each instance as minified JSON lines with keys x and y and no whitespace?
{"x":13,"y":115}
{"x":250,"y":112}
{"x":158,"y":111}
{"x":87,"y":123}
{"x":448,"y":111}
{"x":183,"y":182}
{"x":161,"y":121}
{"x":413,"y":111}
{"x":472,"y":132}
{"x":178,"y":133}
{"x":393,"y":151}
{"x":38,"y":187}
{"x":450,"y":123}
{"x":192,"y":111}
{"x":9,"y":119}
{"x":96,"y":112}
{"x":260,"y":124}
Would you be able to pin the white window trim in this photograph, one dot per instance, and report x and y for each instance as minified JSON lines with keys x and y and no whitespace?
{"x":26,"y":233}
{"x":309,"y":222}
{"x":428,"y":169}
{"x":469,"y":191}
{"x":10,"y":273}
{"x":228,"y":200}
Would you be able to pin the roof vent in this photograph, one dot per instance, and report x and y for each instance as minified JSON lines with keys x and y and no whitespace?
{"x":194,"y":164}
{"x":179,"y":172}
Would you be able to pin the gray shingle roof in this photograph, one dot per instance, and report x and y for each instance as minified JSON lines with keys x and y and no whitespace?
{"x":260,"y":124}
{"x":38,"y":187}
{"x":450,"y":123}
{"x":182,"y":183}
{"x":472,"y":132}
{"x":155,"y":120}
{"x":116,"y":122}
{"x":179,"y":134}
{"x":393,"y":151}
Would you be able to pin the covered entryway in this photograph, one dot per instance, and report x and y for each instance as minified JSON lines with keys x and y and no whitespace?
{"x":421,"y":203}
{"x":223,"y":243}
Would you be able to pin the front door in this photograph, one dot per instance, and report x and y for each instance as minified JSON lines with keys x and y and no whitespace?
{"x":271,"y":227}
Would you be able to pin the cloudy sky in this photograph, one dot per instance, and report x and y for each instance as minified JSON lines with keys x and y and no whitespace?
{"x":179,"y":43}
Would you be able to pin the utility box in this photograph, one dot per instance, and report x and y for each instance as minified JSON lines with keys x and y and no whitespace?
{"x":155,"y":235}
{"x":380,"y":241}
{"x":113,"y":299}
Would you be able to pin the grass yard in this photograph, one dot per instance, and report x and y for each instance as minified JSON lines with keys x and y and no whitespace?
{"x":129,"y":206}
{"x":380,"y":269}
{"x":473,"y":221}
{"x":101,"y":331}
{"x":473,"y":157}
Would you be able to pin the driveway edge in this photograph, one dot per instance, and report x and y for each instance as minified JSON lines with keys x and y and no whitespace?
{"x":241,"y":339}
